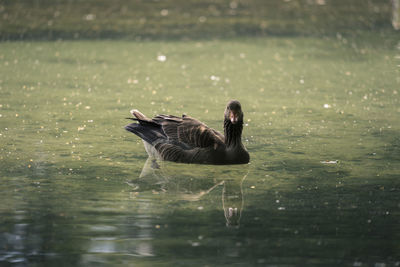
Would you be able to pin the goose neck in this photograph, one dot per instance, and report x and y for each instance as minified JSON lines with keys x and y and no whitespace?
{"x":233,"y":133}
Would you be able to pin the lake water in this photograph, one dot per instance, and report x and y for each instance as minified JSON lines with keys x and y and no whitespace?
{"x":322,"y":123}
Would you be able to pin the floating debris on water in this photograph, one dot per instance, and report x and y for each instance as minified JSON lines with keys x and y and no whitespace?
{"x":195,"y":244}
{"x":161,"y":58}
{"x":89,"y":17}
{"x":214,"y":78}
{"x":164,"y":12}
{"x":202,"y":19}
{"x":329,"y":162}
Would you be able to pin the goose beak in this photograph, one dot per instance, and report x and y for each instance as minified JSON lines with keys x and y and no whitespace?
{"x":233,"y":117}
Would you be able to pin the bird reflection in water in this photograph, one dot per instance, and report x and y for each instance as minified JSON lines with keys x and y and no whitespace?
{"x":178,"y":182}
{"x":232,"y":200}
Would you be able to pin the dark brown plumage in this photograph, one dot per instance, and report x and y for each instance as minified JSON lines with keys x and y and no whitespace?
{"x":187,"y":140}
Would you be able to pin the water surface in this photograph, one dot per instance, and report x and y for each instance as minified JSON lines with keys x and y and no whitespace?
{"x":322,"y":121}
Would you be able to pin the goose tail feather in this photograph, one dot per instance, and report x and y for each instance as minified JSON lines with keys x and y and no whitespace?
{"x":148,"y":131}
{"x":139,"y":115}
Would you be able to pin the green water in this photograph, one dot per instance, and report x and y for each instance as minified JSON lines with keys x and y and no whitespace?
{"x":322,"y":128}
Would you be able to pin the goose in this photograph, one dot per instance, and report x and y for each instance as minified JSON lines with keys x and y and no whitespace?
{"x":187,"y":140}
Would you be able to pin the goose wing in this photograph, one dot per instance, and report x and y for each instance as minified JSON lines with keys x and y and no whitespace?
{"x":189,"y":131}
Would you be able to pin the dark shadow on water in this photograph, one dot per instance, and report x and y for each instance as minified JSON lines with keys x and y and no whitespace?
{"x":172,"y":20}
{"x":319,"y":218}
{"x":296,"y":217}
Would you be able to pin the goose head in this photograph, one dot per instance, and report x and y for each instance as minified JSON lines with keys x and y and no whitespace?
{"x":233,"y":112}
